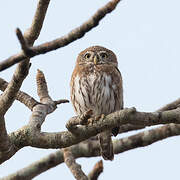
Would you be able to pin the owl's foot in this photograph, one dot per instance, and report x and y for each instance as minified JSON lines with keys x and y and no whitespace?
{"x":79,"y":120}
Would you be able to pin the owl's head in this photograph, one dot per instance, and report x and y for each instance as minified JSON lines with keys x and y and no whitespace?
{"x":97,"y":55}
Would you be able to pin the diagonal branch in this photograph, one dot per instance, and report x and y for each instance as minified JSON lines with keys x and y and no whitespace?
{"x":97,"y":170}
{"x":170,"y":106}
{"x":33,"y":32}
{"x":9,"y":95}
{"x":60,"y":42}
{"x":7,"y":147}
{"x":24,"y":45}
{"x":24,"y":98}
{"x":74,"y":167}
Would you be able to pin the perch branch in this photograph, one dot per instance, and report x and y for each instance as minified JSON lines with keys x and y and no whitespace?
{"x":130,"y":127}
{"x":91,"y":149}
{"x":66,"y":138}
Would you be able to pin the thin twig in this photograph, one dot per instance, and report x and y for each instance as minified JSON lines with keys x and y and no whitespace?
{"x":61,"y":101}
{"x":24,"y":45}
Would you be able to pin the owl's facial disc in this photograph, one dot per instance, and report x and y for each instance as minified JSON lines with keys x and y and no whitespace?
{"x":95,"y":57}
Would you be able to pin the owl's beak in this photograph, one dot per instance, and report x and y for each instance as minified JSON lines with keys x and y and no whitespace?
{"x":95,"y":60}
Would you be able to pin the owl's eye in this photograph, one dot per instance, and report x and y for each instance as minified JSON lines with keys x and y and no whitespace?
{"x":104,"y":55}
{"x":87,"y":55}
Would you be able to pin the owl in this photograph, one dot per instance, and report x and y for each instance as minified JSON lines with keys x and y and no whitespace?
{"x":96,"y":84}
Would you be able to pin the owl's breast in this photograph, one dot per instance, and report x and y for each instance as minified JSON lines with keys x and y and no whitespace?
{"x":93,"y":91}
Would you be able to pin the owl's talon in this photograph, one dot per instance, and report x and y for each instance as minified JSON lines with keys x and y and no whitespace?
{"x":83,"y":119}
{"x":102,"y":116}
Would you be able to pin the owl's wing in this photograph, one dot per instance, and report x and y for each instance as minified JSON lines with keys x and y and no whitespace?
{"x":118,"y":89}
{"x":118,"y":94}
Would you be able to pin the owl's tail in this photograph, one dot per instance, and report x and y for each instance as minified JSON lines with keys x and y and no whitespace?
{"x":106,"y":145}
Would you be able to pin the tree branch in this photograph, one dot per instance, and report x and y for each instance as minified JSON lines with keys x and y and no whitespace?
{"x":24,"y":98}
{"x":66,"y":138}
{"x":130,"y":127}
{"x":97,"y":170}
{"x":74,"y":167}
{"x":7,"y":98}
{"x":60,"y":42}
{"x":33,"y":32}
{"x":170,"y":106}
{"x":91,"y":149}
{"x":24,"y":45}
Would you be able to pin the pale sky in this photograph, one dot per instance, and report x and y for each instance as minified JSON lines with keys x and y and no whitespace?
{"x":145,"y":37}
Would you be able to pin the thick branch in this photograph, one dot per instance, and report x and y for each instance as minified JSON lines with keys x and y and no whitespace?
{"x":81,"y":133}
{"x":130,"y":127}
{"x":63,"y":41}
{"x":91,"y":149}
